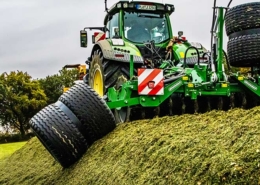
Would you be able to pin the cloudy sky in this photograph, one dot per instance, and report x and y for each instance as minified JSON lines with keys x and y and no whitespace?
{"x":41,"y":36}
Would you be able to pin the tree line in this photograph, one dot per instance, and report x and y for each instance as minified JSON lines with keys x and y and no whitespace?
{"x":21,"y":96}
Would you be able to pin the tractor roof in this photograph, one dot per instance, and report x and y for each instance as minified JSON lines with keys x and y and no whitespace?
{"x":140,"y":6}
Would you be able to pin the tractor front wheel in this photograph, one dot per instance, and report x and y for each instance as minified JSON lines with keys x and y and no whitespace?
{"x":104,"y":74}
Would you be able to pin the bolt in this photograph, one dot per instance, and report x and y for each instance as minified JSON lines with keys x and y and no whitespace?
{"x":154,"y":98}
{"x":143,"y":99}
{"x":126,"y":102}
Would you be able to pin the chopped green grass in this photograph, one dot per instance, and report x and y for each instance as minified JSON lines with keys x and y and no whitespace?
{"x":9,"y":148}
{"x":213,"y":148}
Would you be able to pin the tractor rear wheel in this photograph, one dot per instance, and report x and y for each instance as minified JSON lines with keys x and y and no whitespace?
{"x":104,"y":73}
{"x":90,"y":109}
{"x":59,"y":135}
{"x":243,"y":51}
{"x":242,"y":17}
{"x":96,"y":74}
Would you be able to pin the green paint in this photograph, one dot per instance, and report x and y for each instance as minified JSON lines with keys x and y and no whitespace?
{"x":220,"y":43}
{"x":131,"y":66}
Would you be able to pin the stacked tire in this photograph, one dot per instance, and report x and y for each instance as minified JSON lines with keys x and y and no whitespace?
{"x":68,"y":127}
{"x":242,"y":24}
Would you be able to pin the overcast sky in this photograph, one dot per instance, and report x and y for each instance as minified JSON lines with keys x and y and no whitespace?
{"x":41,"y":36}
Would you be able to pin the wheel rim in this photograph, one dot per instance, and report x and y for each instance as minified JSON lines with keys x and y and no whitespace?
{"x":98,"y":85}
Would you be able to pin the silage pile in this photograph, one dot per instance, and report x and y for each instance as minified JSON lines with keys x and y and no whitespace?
{"x":212,"y":148}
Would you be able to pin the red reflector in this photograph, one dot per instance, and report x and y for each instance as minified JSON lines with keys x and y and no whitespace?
{"x":183,"y":38}
{"x":119,"y":55}
{"x":151,"y":84}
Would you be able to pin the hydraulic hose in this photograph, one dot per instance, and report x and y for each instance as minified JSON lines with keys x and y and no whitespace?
{"x":206,"y":53}
{"x":229,"y":3}
{"x":227,"y":7}
{"x":228,"y":64}
{"x":184,"y":65}
{"x":172,"y":79}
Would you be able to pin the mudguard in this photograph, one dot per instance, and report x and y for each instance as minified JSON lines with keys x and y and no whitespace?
{"x":118,"y":50}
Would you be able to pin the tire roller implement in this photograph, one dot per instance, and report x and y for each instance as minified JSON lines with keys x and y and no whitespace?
{"x":155,"y":74}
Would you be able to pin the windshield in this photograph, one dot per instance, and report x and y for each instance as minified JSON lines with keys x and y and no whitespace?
{"x":143,"y":27}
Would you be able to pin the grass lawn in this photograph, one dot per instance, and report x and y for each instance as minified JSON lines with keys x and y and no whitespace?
{"x":9,"y":148}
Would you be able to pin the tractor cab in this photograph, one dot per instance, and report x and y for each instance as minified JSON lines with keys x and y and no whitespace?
{"x":135,"y":22}
{"x":139,"y":22}
{"x":142,"y":29}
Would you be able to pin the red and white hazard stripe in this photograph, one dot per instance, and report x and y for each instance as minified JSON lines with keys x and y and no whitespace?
{"x":99,"y":36}
{"x":150,"y":82}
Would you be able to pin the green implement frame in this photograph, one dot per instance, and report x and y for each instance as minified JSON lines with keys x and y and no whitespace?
{"x":204,"y":79}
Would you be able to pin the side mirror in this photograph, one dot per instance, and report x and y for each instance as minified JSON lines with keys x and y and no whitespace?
{"x":83,"y":39}
{"x":180,"y":33}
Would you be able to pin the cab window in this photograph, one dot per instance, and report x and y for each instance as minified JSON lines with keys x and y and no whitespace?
{"x":113,"y":26}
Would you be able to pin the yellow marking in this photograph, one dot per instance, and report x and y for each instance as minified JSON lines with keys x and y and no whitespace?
{"x":185,"y":78}
{"x":190,"y":85}
{"x":224,"y":85}
{"x":182,"y":54}
{"x":138,"y":53}
{"x":65,"y":89}
{"x":240,"y":78}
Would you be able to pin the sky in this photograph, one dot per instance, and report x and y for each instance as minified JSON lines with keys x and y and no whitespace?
{"x":41,"y":36}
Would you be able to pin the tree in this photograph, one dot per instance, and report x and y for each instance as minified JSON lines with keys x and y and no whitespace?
{"x":53,"y":85}
{"x":20,"y":99}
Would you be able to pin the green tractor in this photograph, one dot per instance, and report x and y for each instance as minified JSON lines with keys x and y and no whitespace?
{"x":142,"y":30}
{"x":146,"y":71}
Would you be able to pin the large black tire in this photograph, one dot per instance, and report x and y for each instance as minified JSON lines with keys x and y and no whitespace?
{"x":91,"y":110}
{"x":59,"y":135}
{"x":242,"y":17}
{"x":243,"y":51}
{"x":110,"y":71}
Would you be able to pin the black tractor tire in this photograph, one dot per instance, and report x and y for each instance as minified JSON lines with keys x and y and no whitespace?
{"x":242,"y":17}
{"x":243,"y":51}
{"x":59,"y":135}
{"x":110,"y":71}
{"x":91,"y":110}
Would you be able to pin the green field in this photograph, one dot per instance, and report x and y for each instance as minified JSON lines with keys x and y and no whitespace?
{"x":9,"y":148}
